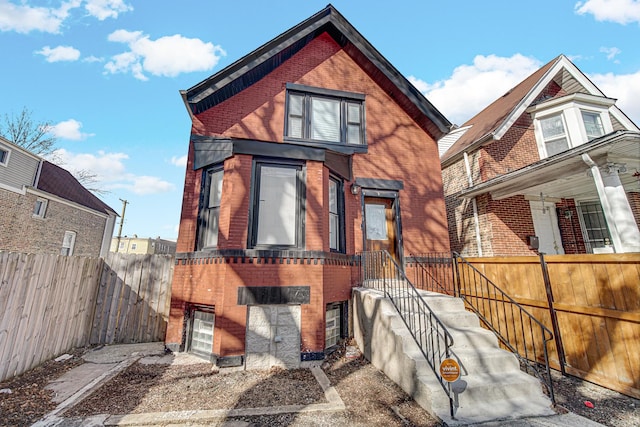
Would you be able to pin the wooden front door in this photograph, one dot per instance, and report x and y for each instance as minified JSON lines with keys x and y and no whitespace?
{"x":380,"y":221}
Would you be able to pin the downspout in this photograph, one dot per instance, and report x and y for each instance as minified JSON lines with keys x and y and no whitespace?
{"x":474,"y":205}
{"x":604,"y":201}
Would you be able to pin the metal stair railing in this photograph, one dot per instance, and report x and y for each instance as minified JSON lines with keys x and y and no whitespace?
{"x":518,"y":330}
{"x":434,"y":272}
{"x":381,"y":272}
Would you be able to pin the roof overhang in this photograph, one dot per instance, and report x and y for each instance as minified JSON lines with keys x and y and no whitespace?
{"x":565,"y":175}
{"x":257,"y":64}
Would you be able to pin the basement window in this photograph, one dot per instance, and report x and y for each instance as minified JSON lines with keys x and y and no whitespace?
{"x":200,"y":333}
{"x":335,"y":323}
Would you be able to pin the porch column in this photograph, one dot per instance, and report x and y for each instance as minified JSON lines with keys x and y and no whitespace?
{"x":624,"y":231}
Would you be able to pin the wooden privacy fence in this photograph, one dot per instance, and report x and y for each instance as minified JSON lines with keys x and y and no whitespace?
{"x":596,"y":301}
{"x":134,"y":296}
{"x":50,"y":304}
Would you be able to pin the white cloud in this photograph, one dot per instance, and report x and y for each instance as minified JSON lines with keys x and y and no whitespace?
{"x":103,"y":9}
{"x":470,"y":88}
{"x":167,"y":56}
{"x":624,"y":87}
{"x":23,"y":18}
{"x":179,"y":161}
{"x":92,"y":59}
{"x":148,"y":185}
{"x":611,"y":52}
{"x":69,"y":129}
{"x":618,"y":11}
{"x":111,"y":173}
{"x":59,"y":53}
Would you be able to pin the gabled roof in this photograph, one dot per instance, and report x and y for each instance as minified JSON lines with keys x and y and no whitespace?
{"x":496,"y":119}
{"x":259,"y":63}
{"x":59,"y":182}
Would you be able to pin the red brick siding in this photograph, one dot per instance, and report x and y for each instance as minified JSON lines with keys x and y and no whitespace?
{"x":398,"y":149}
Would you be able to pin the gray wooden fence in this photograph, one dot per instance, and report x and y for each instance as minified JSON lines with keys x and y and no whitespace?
{"x":50,"y":304}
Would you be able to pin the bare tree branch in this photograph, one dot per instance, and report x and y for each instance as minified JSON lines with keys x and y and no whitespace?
{"x":23,"y":131}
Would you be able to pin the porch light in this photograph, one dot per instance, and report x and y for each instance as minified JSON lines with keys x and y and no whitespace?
{"x":355,"y":189}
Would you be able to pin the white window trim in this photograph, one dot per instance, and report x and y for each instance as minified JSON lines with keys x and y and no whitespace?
{"x":72,"y":244}
{"x":43,"y":210}
{"x":571,"y":109}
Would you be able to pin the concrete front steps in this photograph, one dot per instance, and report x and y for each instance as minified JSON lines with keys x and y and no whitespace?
{"x":492,"y":387}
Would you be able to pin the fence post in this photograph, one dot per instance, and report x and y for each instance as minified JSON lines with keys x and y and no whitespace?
{"x":552,"y":313}
{"x":455,"y":274}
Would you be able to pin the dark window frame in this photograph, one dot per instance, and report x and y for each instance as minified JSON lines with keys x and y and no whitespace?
{"x":203,"y":209}
{"x":345,"y":98}
{"x":340,"y":214}
{"x":254,"y":202}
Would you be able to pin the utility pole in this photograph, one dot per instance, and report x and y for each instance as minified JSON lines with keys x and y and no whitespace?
{"x":124,"y":208}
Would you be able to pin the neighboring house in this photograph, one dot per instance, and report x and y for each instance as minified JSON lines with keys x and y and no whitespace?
{"x":142,"y":245}
{"x":303,"y":153}
{"x":44,"y":209}
{"x":552,"y":158}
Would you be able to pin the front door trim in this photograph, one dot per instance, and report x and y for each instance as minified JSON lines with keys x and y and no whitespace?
{"x":387,"y":194}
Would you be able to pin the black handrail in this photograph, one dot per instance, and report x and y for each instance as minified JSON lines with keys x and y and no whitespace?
{"x":381,"y":272}
{"x":514,"y":326}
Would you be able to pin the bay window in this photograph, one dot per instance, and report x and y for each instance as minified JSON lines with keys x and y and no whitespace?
{"x":278,"y":205}
{"x":566,"y":122}
{"x":336,"y":215}
{"x":210,"y":208}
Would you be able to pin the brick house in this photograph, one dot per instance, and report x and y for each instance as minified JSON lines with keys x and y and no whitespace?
{"x":295,"y":149}
{"x":553,"y":163}
{"x":44,"y":209}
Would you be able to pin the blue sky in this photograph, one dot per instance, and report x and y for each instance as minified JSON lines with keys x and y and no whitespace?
{"x":107,"y":73}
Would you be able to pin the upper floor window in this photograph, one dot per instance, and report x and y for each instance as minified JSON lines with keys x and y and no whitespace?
{"x":569,"y":121}
{"x":592,"y":124}
{"x":554,"y":134}
{"x":4,"y":156}
{"x":323,"y":115}
{"x":40,"y":208}
{"x":277,"y":219}
{"x":209,"y":214}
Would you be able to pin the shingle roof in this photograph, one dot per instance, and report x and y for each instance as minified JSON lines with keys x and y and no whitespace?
{"x":59,"y":182}
{"x":256,"y":65}
{"x":493,"y":116}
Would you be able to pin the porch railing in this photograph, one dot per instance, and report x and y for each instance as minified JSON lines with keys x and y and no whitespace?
{"x":433,"y":272}
{"x":514,"y":326}
{"x":381,"y":272}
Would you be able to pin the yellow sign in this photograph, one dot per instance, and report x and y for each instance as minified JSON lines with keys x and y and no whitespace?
{"x":449,"y":370}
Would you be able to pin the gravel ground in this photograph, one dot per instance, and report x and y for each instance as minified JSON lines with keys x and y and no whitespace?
{"x":371,"y":399}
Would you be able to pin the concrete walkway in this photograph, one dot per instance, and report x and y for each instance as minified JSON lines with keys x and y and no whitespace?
{"x":104,"y":363}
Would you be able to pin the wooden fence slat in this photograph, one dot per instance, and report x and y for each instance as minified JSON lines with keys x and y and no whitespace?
{"x":101,"y":303}
{"x":132,"y":301}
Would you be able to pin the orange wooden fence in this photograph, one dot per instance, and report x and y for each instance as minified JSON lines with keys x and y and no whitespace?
{"x":597,"y":303}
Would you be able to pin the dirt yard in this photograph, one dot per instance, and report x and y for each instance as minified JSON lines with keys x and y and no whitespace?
{"x":371,"y":399}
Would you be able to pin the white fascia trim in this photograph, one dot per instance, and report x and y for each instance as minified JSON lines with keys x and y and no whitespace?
{"x":563,"y":62}
{"x":13,"y":189}
{"x":50,"y":196}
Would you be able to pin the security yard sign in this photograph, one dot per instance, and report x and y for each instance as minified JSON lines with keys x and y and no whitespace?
{"x":449,"y":370}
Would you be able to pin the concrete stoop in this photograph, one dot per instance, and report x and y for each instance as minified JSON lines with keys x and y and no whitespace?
{"x":491,"y":387}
